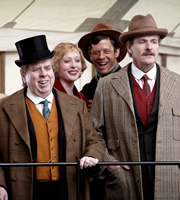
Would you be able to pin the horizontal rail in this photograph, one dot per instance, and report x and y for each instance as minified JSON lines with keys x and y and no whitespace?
{"x":77,"y":164}
{"x":99,"y":163}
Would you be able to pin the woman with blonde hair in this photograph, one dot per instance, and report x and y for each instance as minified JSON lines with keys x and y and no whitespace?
{"x":68,"y":65}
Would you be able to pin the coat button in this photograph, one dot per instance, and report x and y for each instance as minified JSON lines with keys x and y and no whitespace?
{"x":132,"y":123}
{"x":16,"y":143}
{"x":14,"y":179}
{"x":133,"y":142}
{"x":137,"y":180}
{"x":74,"y":139}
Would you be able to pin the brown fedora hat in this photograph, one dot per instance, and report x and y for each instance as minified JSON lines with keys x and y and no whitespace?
{"x":142,"y":25}
{"x":104,"y":29}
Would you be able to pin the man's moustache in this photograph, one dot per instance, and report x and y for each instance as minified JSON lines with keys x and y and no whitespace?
{"x":148,"y":53}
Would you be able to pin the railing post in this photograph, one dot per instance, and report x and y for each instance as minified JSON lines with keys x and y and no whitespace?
{"x":78,"y":180}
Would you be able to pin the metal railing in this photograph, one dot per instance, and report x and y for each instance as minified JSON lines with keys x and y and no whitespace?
{"x":77,"y":164}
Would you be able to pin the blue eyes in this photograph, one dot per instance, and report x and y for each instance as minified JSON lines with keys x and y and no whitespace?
{"x":143,"y":42}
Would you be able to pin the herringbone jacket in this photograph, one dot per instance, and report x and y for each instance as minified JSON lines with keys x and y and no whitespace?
{"x":114,"y":118}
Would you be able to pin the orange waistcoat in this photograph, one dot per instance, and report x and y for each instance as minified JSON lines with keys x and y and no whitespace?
{"x":47,"y":141}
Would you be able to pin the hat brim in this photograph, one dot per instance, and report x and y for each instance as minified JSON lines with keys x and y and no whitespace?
{"x":84,"y":42}
{"x":137,"y":33}
{"x":19,"y":63}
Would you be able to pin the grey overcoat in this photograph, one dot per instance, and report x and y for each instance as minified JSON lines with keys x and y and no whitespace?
{"x":114,"y":118}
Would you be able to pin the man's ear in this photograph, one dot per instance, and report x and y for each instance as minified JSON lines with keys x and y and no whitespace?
{"x":117,"y":52}
{"x":23,"y":78}
{"x":128,"y":46}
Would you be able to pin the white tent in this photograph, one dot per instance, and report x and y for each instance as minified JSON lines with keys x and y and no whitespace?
{"x":68,"y":20}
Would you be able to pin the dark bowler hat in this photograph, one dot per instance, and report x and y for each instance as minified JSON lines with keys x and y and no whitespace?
{"x":104,"y":29}
{"x":141,"y":25}
{"x":32,"y":50}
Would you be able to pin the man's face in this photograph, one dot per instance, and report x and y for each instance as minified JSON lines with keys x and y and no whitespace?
{"x":144,"y":51}
{"x":103,"y":56}
{"x":39,"y":78}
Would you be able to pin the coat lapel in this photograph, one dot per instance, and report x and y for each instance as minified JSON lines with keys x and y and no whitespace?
{"x":16,"y":111}
{"x":167,"y":82}
{"x":69,"y":109}
{"x":120,"y":82}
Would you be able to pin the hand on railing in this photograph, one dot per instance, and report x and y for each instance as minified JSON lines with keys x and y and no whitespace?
{"x":3,"y":194}
{"x":88,"y":162}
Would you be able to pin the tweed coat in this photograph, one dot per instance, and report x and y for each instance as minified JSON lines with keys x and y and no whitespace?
{"x":114,"y":118}
{"x":81,"y":140}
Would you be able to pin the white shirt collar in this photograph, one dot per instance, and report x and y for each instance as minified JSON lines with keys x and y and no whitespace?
{"x":137,"y":73}
{"x":35,"y":99}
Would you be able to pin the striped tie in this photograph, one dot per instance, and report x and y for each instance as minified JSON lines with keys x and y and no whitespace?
{"x":46,"y":110}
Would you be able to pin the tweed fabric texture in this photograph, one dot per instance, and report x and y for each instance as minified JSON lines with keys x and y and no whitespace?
{"x":81,"y":140}
{"x":114,"y":118}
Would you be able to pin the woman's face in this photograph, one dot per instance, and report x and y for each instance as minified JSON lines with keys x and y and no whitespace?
{"x":70,"y":66}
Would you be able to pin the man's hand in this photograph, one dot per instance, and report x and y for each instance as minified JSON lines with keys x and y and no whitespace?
{"x":88,"y":162}
{"x":111,"y":167}
{"x":3,"y":194}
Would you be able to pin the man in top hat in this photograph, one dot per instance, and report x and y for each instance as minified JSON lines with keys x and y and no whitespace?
{"x":136,"y":110}
{"x":103,"y":49}
{"x":40,"y":124}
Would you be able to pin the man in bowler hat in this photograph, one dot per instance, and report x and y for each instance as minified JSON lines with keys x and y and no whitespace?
{"x":40,"y":124}
{"x":103,"y":49}
{"x":136,"y":110}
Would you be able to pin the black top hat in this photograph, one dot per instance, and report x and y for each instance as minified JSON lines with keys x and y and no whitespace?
{"x":32,"y":50}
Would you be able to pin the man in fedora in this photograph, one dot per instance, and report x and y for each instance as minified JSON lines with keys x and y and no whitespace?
{"x":103,"y":49}
{"x":136,"y":110}
{"x":40,"y":124}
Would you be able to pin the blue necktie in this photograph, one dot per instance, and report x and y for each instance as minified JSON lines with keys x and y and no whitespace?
{"x":46,"y":110}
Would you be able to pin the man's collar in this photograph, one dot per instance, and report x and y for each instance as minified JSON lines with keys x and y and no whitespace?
{"x":36,"y":99}
{"x":137,"y":73}
{"x":112,"y":71}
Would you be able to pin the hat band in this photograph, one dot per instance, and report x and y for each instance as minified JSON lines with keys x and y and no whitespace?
{"x":36,"y":55}
{"x":144,"y":27}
